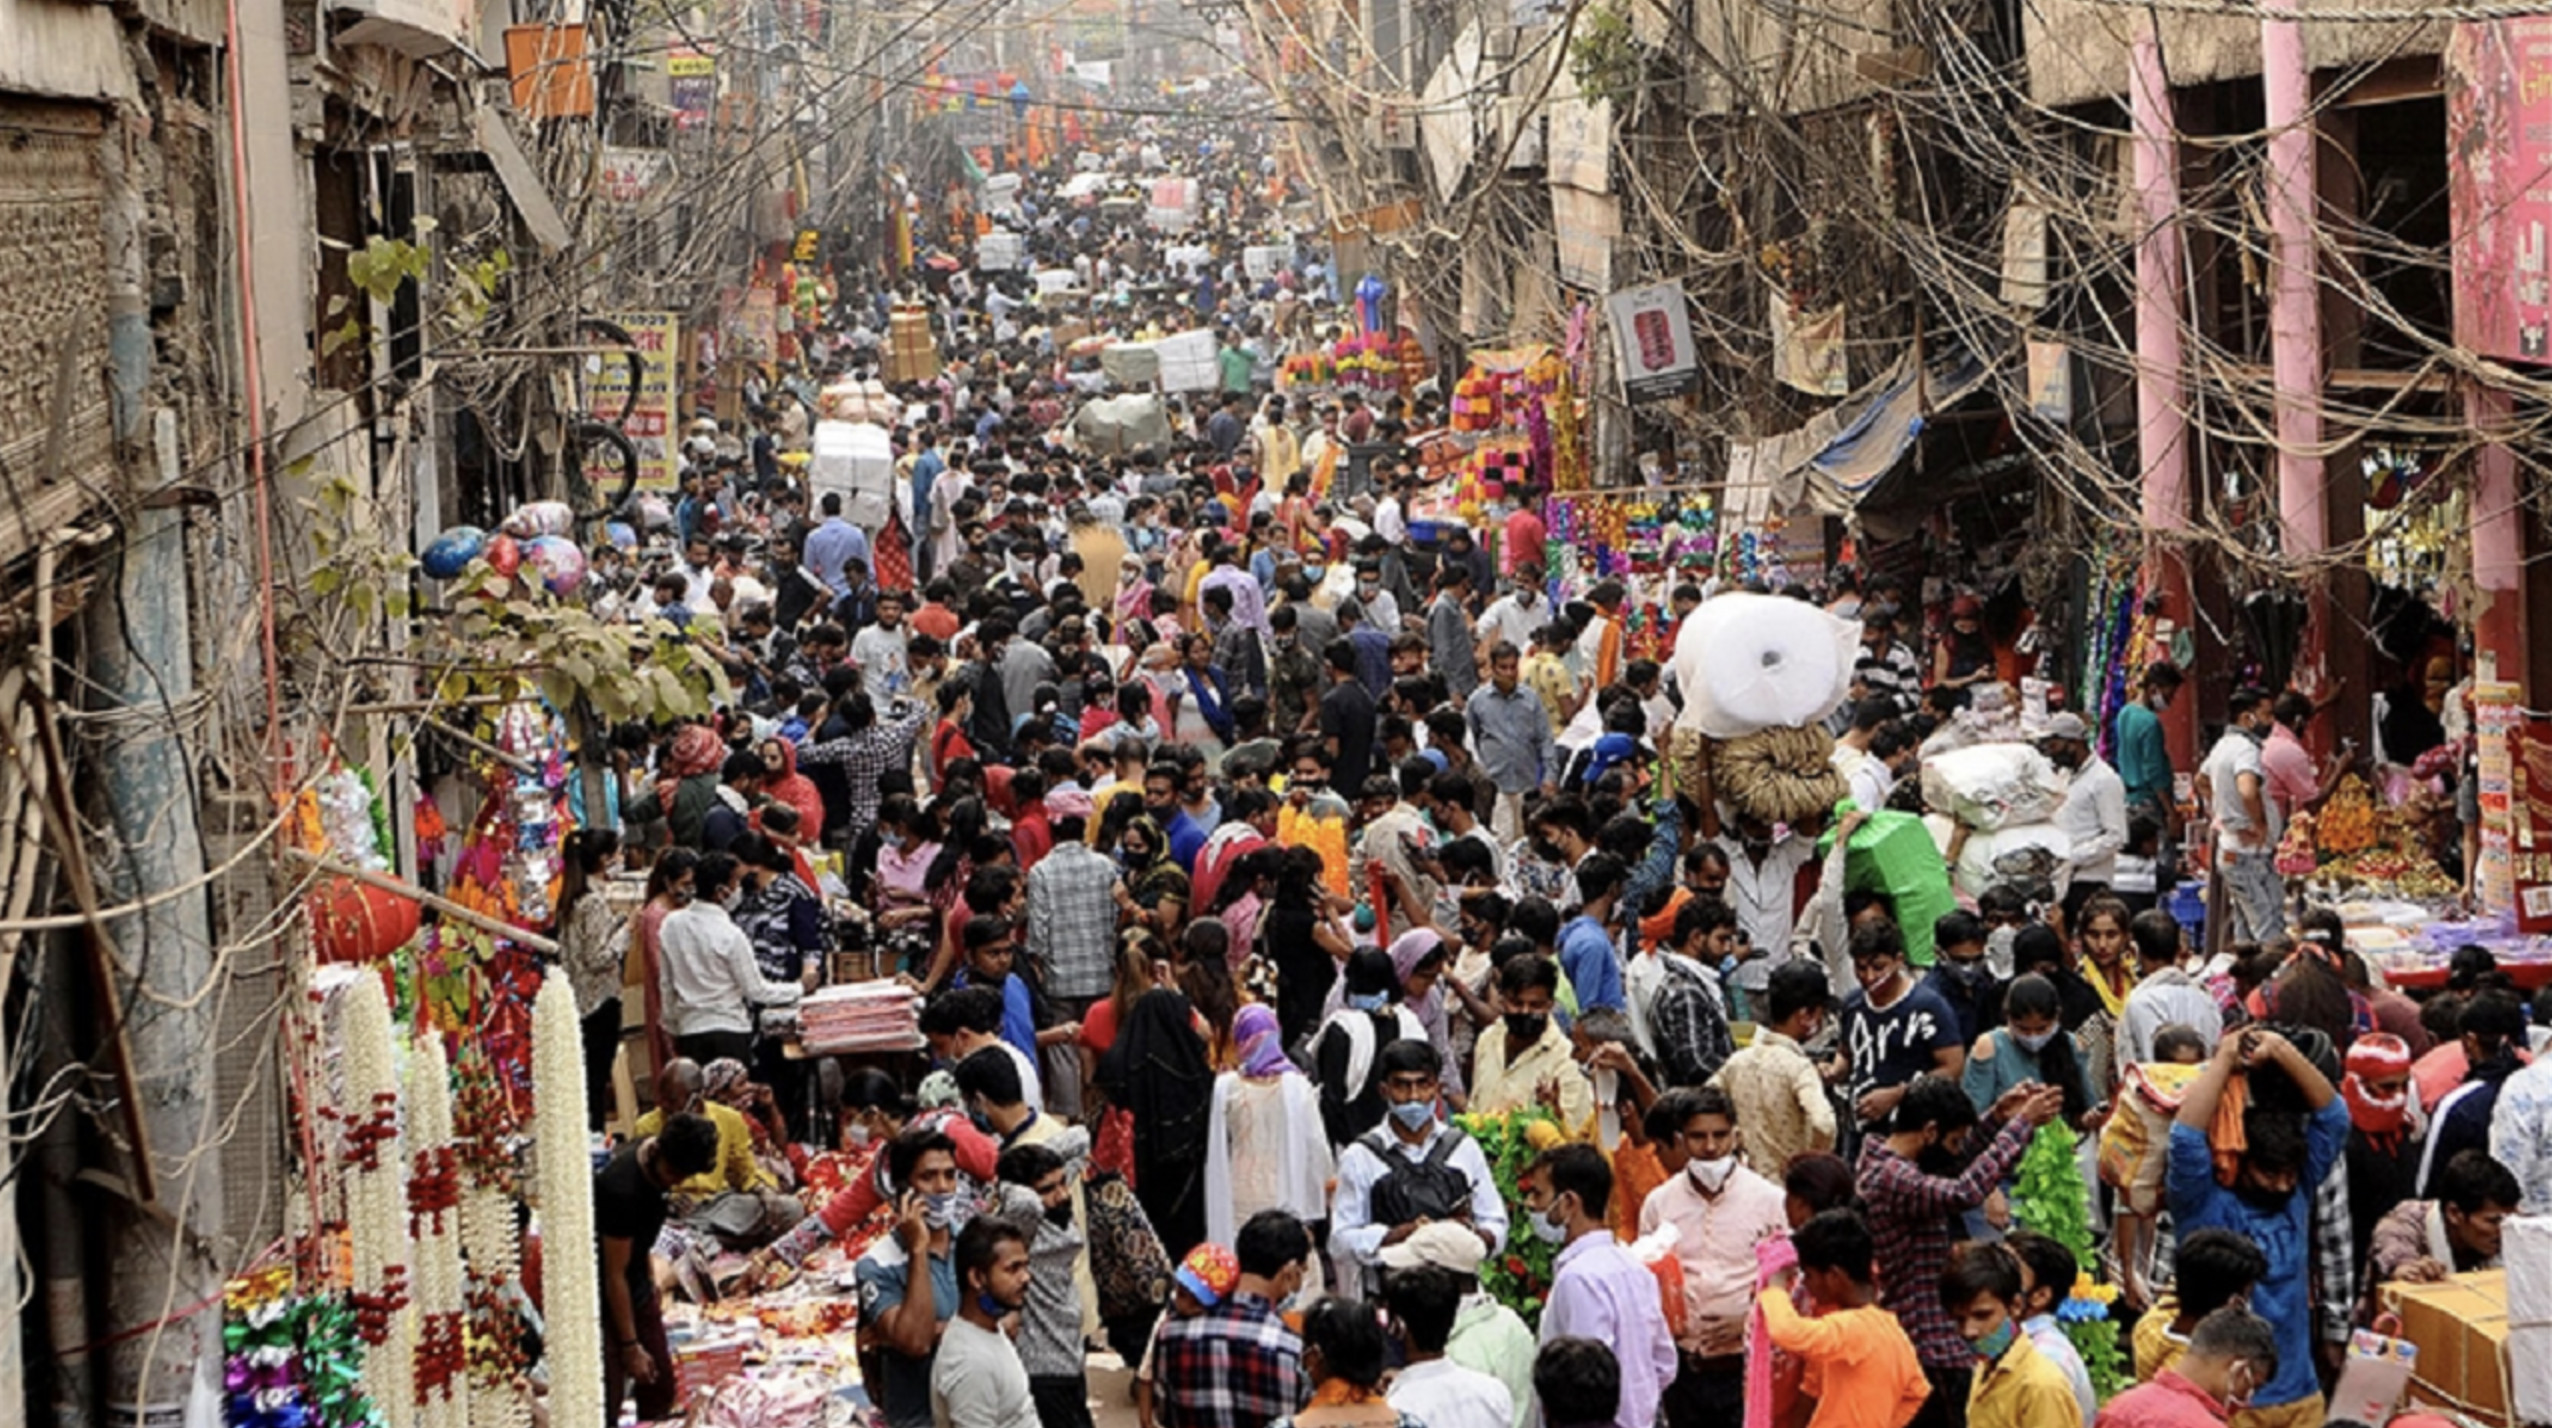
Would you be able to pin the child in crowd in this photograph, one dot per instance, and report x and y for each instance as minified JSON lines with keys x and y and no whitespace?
{"x":1209,"y":1272}
{"x":1861,"y":1368}
{"x":2016,"y":1385}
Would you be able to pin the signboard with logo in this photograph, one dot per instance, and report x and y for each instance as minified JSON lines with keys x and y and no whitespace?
{"x":1652,"y":335}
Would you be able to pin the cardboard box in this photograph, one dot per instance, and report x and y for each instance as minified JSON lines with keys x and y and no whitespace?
{"x":2460,"y":1328}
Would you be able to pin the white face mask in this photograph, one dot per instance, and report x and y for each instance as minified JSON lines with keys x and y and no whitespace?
{"x":1711,"y":1176}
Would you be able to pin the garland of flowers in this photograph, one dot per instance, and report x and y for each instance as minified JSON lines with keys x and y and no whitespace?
{"x":564,"y":1165}
{"x":434,"y":1225}
{"x":483,"y":1118}
{"x":1520,"y":1277}
{"x":376,"y":1205}
{"x":2049,"y":1198}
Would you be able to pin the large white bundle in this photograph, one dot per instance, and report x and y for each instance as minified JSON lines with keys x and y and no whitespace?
{"x":1119,"y":426}
{"x":1261,"y":261}
{"x":2023,"y":852}
{"x":1001,"y":252}
{"x":1188,"y":361}
{"x":1056,"y":280}
{"x":1747,"y":663}
{"x":857,"y":460}
{"x":2526,"y":1250}
{"x":1990,"y":786}
{"x":1187,"y":257}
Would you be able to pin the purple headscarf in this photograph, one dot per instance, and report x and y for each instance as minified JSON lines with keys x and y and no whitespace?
{"x":1261,"y":1045}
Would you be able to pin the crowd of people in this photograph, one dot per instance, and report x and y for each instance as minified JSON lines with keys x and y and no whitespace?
{"x":1239,"y":841}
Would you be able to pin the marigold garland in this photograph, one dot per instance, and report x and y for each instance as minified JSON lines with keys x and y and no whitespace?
{"x":563,"y":1164}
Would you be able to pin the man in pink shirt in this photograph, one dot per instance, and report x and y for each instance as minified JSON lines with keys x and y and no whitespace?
{"x":1720,"y":1211}
{"x":2231,"y":1353}
{"x":2293,"y":779}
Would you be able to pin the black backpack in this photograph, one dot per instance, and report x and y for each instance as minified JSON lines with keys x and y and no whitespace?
{"x":1426,"y":1188}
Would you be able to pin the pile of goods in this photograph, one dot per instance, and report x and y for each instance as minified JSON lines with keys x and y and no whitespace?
{"x":2355,"y":843}
{"x":2005,"y":795}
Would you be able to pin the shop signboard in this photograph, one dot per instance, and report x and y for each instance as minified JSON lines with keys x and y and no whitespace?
{"x":2497,"y":716}
{"x":692,"y":87}
{"x":2498,"y":77}
{"x":631,"y":176}
{"x":649,"y":426}
{"x":1652,"y":335}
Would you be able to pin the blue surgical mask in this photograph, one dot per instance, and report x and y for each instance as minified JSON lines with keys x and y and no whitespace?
{"x":1413,"y":1115}
{"x":940,"y":1211}
{"x":1991,"y":1347}
{"x":992,"y":1308}
{"x":1368,"y":1001}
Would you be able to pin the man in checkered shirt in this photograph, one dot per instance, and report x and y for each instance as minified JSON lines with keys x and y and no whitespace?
{"x":1912,"y":1182}
{"x":1236,"y":1365}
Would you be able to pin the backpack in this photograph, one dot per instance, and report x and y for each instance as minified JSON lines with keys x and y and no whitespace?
{"x":1426,"y":1188}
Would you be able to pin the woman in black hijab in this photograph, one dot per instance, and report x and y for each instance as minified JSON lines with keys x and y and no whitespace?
{"x":1158,"y":1071}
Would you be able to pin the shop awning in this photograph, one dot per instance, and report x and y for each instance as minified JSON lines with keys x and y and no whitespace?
{"x":1834,"y":462}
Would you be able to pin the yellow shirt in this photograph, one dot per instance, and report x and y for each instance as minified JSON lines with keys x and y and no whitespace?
{"x":736,"y":1168}
{"x":2156,"y":1347}
{"x":1499,"y":1085}
{"x":1545,"y":674}
{"x":2022,"y":1389}
{"x":1780,"y":1100}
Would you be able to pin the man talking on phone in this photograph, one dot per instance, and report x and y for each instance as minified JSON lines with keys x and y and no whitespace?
{"x":903,"y":1313}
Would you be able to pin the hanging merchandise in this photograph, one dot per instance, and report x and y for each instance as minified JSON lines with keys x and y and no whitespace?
{"x":1651,"y":541}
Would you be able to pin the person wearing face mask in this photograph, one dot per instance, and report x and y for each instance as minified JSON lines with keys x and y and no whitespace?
{"x":2231,"y":1353}
{"x":2031,"y":1046}
{"x":977,"y":1377}
{"x":2267,"y":1201}
{"x":2234,"y":787}
{"x":1597,"y":1290}
{"x":1524,"y":1059}
{"x":712,"y":981}
{"x":1720,"y":1210}
{"x":2094,"y":813}
{"x":1038,"y":1194}
{"x":905,"y":1311}
{"x":873,"y":1112}
{"x":1917,"y":1181}
{"x":592,"y":939}
{"x":1962,"y":975}
{"x":1411,"y":1171}
{"x":1345,"y":1051}
{"x":2015,"y":1385}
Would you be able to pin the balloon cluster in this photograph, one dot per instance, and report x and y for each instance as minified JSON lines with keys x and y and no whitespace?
{"x":535,"y":535}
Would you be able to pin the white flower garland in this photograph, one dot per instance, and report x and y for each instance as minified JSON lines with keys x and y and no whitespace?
{"x":443,"y":1384}
{"x":376,"y":1205}
{"x":564,"y":1167}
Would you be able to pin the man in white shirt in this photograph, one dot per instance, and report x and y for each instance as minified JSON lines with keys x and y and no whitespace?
{"x":2165,"y":994}
{"x":1515,"y":615}
{"x":2094,"y":813}
{"x":711,"y":982}
{"x":976,"y":1379}
{"x":1386,"y":1188}
{"x":879,"y":651}
{"x":1434,"y":1389}
{"x":2234,"y":785}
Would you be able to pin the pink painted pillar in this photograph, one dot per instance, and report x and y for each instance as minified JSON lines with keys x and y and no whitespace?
{"x":2162,"y":427}
{"x":2498,"y":545}
{"x":2295,"y":316}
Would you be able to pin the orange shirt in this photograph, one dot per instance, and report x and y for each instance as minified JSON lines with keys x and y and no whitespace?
{"x":1859,"y":1361}
{"x":1636,"y":1171}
